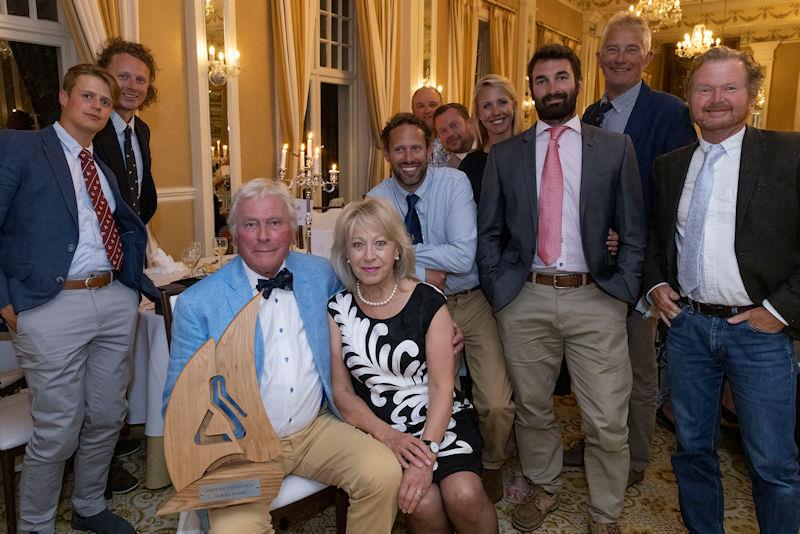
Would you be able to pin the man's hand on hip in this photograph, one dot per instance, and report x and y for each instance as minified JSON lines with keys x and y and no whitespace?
{"x":664,"y":298}
{"x":760,"y":319}
{"x":10,"y":318}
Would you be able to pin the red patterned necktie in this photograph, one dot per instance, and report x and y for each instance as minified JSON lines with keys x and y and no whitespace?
{"x":108,"y":226}
{"x":551,"y":199}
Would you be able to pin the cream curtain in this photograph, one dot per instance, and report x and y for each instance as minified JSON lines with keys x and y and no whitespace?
{"x":463,"y":49}
{"x":86,"y":24}
{"x":502,"y":42}
{"x":109,"y":12}
{"x":293,"y":41}
{"x":377,"y":31}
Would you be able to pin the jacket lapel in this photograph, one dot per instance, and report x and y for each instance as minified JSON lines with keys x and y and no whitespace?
{"x":55,"y":155}
{"x":106,"y":141}
{"x":641,"y":114}
{"x":239,"y":295}
{"x":589,"y":157}
{"x":529,"y":174}
{"x":749,"y":164}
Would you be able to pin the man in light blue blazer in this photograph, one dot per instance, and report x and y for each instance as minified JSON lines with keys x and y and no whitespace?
{"x":292,"y":359}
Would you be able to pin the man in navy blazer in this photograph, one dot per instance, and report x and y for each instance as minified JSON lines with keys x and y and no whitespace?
{"x":124,"y":144}
{"x":657,"y":123}
{"x":71,"y":258}
{"x":292,"y":360}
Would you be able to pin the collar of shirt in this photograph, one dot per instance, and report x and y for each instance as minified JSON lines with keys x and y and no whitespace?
{"x":253,"y":277}
{"x":574,"y":124}
{"x":626,"y":100}
{"x":732,"y":145}
{"x":120,"y":124}
{"x":69,"y":142}
{"x":402,"y":193}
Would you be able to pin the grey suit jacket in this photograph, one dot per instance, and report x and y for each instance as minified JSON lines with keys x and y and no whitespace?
{"x":610,"y":197}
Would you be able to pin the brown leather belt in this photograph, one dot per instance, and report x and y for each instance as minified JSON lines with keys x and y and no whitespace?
{"x":96,"y":281}
{"x":561,"y":281}
{"x":715,"y":310}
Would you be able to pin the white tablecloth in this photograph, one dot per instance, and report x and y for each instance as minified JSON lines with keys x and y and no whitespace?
{"x":150,"y":361}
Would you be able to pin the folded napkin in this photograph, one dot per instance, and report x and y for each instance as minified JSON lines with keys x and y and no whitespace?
{"x":162,"y":263}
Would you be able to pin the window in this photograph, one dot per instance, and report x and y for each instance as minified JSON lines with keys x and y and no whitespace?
{"x":335,"y":34}
{"x":35,"y":49}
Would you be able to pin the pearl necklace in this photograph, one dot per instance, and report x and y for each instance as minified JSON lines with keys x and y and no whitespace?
{"x":376,"y":304}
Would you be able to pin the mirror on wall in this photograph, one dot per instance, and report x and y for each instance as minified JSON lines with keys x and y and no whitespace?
{"x":218,"y":111}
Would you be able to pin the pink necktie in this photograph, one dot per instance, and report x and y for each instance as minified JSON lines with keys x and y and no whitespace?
{"x":551,"y":198}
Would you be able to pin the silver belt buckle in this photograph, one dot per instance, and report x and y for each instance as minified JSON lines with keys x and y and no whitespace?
{"x":555,"y":281}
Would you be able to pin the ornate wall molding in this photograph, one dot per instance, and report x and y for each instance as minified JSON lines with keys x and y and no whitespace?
{"x":778,"y":34}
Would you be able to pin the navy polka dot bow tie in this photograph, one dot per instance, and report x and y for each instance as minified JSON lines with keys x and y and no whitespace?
{"x":282,"y":280}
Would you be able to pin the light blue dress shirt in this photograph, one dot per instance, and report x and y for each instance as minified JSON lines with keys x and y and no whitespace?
{"x":447,"y":213}
{"x":616,"y":118}
{"x":90,"y":253}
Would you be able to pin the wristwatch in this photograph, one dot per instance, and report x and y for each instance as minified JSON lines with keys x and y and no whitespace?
{"x":432,"y":444}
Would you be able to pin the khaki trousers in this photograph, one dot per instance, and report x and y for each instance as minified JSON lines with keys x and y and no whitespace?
{"x":338,"y":454}
{"x":491,"y":388}
{"x":587,"y":326}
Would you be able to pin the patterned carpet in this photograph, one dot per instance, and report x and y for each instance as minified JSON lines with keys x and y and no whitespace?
{"x":651,"y":507}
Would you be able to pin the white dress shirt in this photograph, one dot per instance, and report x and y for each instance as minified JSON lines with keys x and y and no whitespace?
{"x":90,"y":253}
{"x":570,"y":152}
{"x":119,"y":127}
{"x":289,"y":383}
{"x":720,"y":278}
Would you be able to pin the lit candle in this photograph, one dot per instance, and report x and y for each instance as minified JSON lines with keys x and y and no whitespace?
{"x":211,"y":53}
{"x":302,"y":155}
{"x":218,"y":152}
{"x":283,"y":155}
{"x":316,"y":160}
{"x":334,"y":173}
{"x":310,"y":136}
{"x":212,"y":151}
{"x":224,"y":151}
{"x":221,"y":57}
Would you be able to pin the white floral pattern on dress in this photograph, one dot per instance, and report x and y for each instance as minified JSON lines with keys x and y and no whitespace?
{"x":378,"y":366}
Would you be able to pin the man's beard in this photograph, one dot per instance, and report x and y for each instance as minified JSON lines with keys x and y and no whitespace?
{"x":557,"y":112}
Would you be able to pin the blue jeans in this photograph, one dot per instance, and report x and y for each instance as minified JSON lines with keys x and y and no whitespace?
{"x":762,"y":371}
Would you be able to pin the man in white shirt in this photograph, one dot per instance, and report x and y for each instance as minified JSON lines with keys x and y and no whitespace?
{"x":445,"y":253}
{"x":723,"y":270}
{"x":292,"y":359}
{"x":71,"y":259}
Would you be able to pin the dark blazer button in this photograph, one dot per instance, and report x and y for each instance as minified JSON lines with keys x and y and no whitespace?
{"x":60,"y":280}
{"x":71,"y":248}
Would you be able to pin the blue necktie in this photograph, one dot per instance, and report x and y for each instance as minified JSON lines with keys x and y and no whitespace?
{"x":413,"y":225}
{"x":689,"y":267}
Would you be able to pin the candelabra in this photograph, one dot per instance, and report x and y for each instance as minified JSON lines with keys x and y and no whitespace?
{"x":308,"y":177}
{"x":220,"y":68}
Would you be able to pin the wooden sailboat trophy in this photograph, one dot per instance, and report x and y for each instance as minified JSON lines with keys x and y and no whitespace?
{"x":218,"y":442}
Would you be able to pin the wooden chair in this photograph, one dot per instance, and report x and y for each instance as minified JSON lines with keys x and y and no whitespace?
{"x":16,"y":427}
{"x":299,"y":498}
{"x":12,"y":378}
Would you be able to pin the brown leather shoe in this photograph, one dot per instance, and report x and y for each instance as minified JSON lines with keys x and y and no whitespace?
{"x":605,"y":528}
{"x":493,"y":484}
{"x":530,"y":514}
{"x":573,"y":457}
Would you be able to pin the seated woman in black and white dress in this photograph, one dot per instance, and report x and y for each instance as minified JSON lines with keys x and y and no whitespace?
{"x":393,"y":367}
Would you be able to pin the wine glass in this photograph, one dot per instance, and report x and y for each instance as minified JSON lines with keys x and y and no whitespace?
{"x":191,"y":256}
{"x":220,"y":248}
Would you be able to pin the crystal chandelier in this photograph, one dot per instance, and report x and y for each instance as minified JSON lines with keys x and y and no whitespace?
{"x":699,"y":42}
{"x":659,"y":14}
